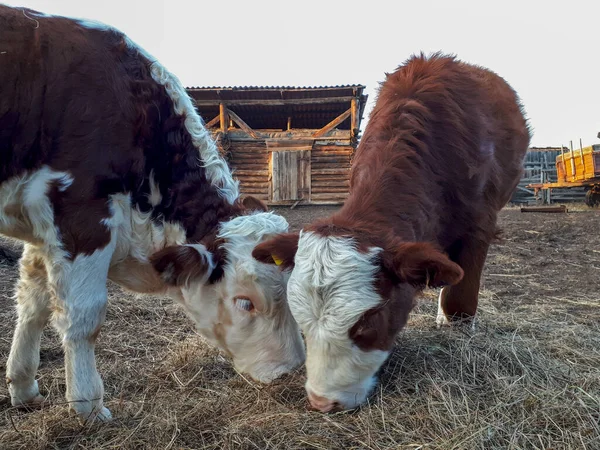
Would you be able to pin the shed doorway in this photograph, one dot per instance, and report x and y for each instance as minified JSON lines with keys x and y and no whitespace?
{"x":290,"y":176}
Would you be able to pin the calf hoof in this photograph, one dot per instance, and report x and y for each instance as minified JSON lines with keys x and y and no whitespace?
{"x":25,"y":397}
{"x":33,"y":402}
{"x":90,"y":412}
{"x":441,"y":321}
{"x":465,"y":323}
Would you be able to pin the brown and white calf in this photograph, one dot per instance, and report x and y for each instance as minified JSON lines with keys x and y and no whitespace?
{"x":441,"y":155}
{"x":107,"y":171}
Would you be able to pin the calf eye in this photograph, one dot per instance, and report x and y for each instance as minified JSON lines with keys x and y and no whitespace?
{"x":243,"y":303}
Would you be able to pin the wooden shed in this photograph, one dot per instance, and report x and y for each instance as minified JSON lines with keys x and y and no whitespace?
{"x":286,"y":144}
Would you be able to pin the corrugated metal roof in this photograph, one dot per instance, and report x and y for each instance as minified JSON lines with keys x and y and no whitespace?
{"x":280,"y":102}
{"x":248,"y":88}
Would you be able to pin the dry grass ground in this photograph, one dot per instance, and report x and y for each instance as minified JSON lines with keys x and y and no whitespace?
{"x":527,"y":377}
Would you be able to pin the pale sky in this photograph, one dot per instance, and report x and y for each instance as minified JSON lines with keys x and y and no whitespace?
{"x":549,"y":51}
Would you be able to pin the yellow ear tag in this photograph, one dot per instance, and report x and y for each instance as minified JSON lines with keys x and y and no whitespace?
{"x":277,"y":260}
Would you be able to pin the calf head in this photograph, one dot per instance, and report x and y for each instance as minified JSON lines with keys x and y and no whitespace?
{"x":237,"y":303}
{"x":351,"y":298}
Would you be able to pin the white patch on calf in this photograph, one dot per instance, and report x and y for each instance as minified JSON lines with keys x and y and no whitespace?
{"x":137,"y":238}
{"x":25,"y":209}
{"x":329,"y":289}
{"x":209,"y":257}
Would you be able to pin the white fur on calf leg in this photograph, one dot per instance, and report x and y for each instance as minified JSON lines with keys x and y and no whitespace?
{"x":82,"y":296}
{"x":33,"y":309}
{"x":441,"y":319}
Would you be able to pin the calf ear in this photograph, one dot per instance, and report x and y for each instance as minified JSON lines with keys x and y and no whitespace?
{"x":181,"y":264}
{"x":421,"y":264}
{"x":254,"y":204}
{"x":279,"y":250}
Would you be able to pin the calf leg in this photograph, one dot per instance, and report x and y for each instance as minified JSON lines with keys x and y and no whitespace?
{"x":459,"y":302}
{"x":80,"y":287}
{"x":33,"y":311}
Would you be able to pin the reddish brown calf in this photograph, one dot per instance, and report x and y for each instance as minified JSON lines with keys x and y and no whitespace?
{"x":441,"y":155}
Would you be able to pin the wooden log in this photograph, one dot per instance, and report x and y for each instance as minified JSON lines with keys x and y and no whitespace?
{"x":332,"y":147}
{"x":253,"y":190}
{"x":261,"y":196}
{"x":328,"y":196}
{"x":336,"y":171}
{"x":264,"y":158}
{"x":260,"y":183}
{"x":255,"y":154}
{"x":329,"y":189}
{"x":545,"y":209}
{"x":246,"y":166}
{"x":337,"y":151}
{"x":331,"y":179}
{"x":238,"y":150}
{"x":251,"y":178}
{"x":325,"y":184}
{"x":253,"y":172}
{"x":325,"y":166}
{"x":331,"y":159}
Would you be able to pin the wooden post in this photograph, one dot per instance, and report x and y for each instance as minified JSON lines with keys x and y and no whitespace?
{"x":542,"y":177}
{"x":562,"y":152}
{"x":354,"y":117}
{"x":223,"y":118}
{"x":582,"y":159}
{"x":572,"y":158}
{"x":289,"y":123}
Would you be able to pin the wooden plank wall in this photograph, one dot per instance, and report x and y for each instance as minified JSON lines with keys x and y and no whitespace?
{"x":250,"y":164}
{"x":330,"y":173}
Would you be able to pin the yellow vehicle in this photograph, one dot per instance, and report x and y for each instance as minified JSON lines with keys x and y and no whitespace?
{"x":577,"y":168}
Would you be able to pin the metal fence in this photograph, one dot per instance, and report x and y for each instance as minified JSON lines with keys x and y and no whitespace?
{"x":540,"y":167}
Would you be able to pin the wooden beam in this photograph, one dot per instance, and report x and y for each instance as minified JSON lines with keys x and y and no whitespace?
{"x":243,"y":125}
{"x":213,"y":122}
{"x":223,"y":117}
{"x":354,"y":117}
{"x":275,"y":102}
{"x":545,"y":209}
{"x":334,"y":123}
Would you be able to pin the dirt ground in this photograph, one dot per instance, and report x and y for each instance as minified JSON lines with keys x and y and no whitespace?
{"x":527,"y":377}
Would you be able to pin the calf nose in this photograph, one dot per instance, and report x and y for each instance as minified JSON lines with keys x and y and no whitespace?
{"x":321,"y":403}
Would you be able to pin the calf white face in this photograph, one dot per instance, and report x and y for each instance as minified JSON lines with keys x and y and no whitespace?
{"x":350,"y":301}
{"x":245,"y":313}
{"x":330,"y":288}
